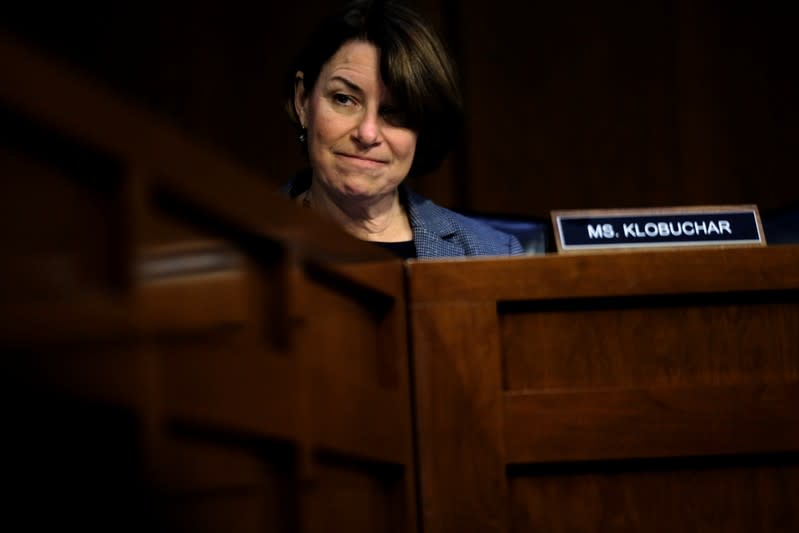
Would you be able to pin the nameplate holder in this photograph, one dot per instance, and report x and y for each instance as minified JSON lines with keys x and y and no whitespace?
{"x":672,"y":227}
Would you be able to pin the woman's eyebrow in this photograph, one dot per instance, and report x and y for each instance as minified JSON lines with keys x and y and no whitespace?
{"x":348,"y":83}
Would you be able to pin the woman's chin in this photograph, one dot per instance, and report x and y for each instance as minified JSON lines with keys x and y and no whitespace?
{"x":362,"y":189}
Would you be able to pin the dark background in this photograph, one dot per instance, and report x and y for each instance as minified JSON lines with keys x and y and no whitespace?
{"x":570,"y":104}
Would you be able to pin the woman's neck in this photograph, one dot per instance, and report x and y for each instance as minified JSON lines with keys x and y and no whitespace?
{"x":381,"y":219}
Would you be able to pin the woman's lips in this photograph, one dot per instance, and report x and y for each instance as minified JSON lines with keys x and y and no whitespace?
{"x":361,"y":161}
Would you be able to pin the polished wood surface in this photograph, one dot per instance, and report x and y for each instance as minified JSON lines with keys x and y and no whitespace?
{"x":626,"y":391}
{"x":667,"y":421}
{"x":609,"y":274}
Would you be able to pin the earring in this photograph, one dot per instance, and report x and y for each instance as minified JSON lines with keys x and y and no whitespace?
{"x":303,"y":136}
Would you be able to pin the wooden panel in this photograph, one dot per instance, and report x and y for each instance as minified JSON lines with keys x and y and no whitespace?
{"x":352,"y":331}
{"x":195,"y":302}
{"x":236,"y":511}
{"x":222,"y":380}
{"x":212,"y":482}
{"x":459,"y":417}
{"x":69,"y":239}
{"x":741,"y":495}
{"x":703,"y":339}
{"x":619,"y":104}
{"x":370,"y":422}
{"x":92,"y":316}
{"x":654,"y":422}
{"x":357,"y":497}
{"x":328,"y":383}
{"x":641,"y":391}
{"x":590,"y":93}
{"x":104,"y":371}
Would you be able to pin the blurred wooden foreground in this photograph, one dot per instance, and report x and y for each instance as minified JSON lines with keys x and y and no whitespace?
{"x":185,"y":351}
{"x":182,"y":349}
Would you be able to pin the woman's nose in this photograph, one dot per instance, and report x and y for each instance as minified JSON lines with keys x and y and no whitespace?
{"x":368,"y":130}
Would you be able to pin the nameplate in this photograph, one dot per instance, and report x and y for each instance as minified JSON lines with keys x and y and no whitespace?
{"x":661,"y":227}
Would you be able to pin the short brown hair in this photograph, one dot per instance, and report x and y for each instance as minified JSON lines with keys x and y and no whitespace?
{"x":414,"y":65}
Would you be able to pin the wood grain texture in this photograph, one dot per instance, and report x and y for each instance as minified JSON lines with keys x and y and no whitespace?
{"x":358,"y":497}
{"x":619,"y":105}
{"x":701,"y":339}
{"x":607,"y":274}
{"x":459,"y":417}
{"x":642,"y":391}
{"x":593,"y":425}
{"x":741,"y":495}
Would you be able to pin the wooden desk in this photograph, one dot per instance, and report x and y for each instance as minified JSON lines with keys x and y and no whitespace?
{"x":647,"y":391}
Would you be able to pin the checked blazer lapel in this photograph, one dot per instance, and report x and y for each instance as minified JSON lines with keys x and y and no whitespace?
{"x":433,"y":228}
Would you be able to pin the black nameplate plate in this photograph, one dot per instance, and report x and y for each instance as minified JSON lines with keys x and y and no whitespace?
{"x":674,"y":227}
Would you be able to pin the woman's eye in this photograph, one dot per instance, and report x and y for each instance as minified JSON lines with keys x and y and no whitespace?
{"x":342,"y":99}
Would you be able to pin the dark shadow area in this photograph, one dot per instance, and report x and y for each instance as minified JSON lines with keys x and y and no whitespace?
{"x":781,"y":226}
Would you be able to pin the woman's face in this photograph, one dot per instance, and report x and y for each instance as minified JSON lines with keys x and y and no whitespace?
{"x":357,"y":145}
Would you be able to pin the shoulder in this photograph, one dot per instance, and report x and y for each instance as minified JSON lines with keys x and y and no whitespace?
{"x":441,"y":232}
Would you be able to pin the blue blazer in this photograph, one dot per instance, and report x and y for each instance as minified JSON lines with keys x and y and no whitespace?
{"x":437,"y":231}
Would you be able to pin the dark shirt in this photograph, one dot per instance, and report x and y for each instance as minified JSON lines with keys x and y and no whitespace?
{"x":404,"y":249}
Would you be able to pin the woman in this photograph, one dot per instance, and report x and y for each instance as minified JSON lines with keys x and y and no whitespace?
{"x":375,"y":99}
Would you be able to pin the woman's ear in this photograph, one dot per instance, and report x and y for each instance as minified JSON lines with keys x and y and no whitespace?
{"x":300,"y":99}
